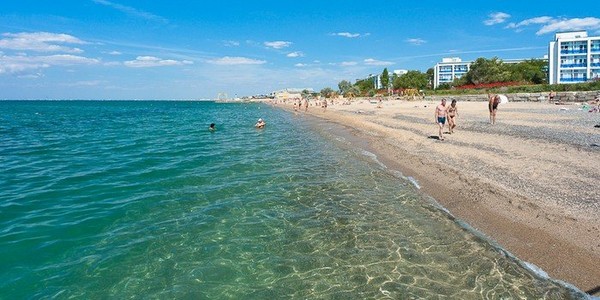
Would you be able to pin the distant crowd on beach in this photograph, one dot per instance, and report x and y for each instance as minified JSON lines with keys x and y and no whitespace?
{"x":443,"y":114}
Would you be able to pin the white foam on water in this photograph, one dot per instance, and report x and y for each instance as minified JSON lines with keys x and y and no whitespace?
{"x":409,"y":178}
{"x":414,"y":182}
{"x":374,"y":158}
{"x":535,"y":269}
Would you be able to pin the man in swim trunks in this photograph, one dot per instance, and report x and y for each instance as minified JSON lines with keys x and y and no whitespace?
{"x":493,"y":101}
{"x":440,"y":117}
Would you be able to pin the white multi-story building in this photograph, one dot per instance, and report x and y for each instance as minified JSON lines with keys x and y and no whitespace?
{"x":574,"y":57}
{"x":449,"y":69}
{"x":376,"y":79}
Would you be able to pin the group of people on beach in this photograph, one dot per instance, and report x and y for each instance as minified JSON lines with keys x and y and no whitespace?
{"x":449,"y":113}
{"x":443,"y":113}
{"x":300,"y":104}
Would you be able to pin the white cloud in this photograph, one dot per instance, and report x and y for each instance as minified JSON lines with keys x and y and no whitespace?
{"x":231,"y":43}
{"x":416,"y":41}
{"x":350,"y":35}
{"x":278,"y":44}
{"x":31,"y":76}
{"x":66,"y":60}
{"x":348,"y":63}
{"x":299,"y":65}
{"x":86,"y":83}
{"x":550,"y":24}
{"x":23,"y":63}
{"x":236,"y":60}
{"x":295,"y":54}
{"x":374,"y":62}
{"x":114,"y":53}
{"x":589,"y":23}
{"x":347,"y":34}
{"x":132,"y":11}
{"x":496,"y":18}
{"x":151,"y":61}
{"x":537,"y":20}
{"x":40,"y":41}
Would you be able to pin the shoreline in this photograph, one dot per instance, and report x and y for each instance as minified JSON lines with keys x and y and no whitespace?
{"x":558,"y":234}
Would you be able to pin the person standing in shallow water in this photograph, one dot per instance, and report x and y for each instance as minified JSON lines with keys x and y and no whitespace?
{"x":493,"y":101}
{"x":212,"y":127}
{"x":452,"y":115}
{"x":440,"y":117}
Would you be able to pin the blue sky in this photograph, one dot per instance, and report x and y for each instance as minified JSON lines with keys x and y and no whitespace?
{"x":124,"y":49}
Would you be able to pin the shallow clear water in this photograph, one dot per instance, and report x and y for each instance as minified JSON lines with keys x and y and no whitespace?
{"x":138,"y":199}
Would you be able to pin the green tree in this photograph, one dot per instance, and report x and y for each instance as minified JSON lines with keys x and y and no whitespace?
{"x":305,"y":93}
{"x":531,"y":71}
{"x":352,"y":92}
{"x":327,"y":92}
{"x":430,"y":77}
{"x":411,"y":80}
{"x":487,"y":71}
{"x":364,"y":86}
{"x":344,"y":86}
{"x":385,"y":78}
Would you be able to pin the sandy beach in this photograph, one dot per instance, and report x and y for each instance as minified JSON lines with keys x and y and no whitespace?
{"x":529,"y":182}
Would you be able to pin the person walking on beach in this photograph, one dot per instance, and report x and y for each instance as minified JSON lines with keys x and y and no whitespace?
{"x":440,"y":117}
{"x":452,"y":115}
{"x":493,"y":101}
{"x":551,"y":96}
{"x":305,"y":104}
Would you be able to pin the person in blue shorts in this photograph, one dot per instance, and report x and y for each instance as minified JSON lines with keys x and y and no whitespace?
{"x":440,"y":117}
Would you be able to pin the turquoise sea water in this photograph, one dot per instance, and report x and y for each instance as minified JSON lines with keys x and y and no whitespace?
{"x":139,"y":200}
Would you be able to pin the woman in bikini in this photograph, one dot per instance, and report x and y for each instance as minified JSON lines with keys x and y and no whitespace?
{"x":452,"y":114}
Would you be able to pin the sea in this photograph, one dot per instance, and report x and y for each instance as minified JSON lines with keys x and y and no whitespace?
{"x":138,"y":199}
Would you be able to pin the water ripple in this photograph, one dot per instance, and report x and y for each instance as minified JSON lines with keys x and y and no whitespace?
{"x":139,"y":199}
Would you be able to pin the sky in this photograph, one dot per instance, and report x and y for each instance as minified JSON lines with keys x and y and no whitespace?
{"x":125,"y":49}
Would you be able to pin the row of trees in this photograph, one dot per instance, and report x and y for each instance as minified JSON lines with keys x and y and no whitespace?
{"x":494,"y":70}
{"x":482,"y":71}
{"x":486,"y":71}
{"x":366,"y":87}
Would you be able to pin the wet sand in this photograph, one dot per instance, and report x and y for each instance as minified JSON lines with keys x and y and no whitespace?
{"x":531,"y":182}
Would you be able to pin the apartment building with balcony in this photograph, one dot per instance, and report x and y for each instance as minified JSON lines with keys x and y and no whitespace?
{"x":449,"y":69}
{"x":573,"y":57}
